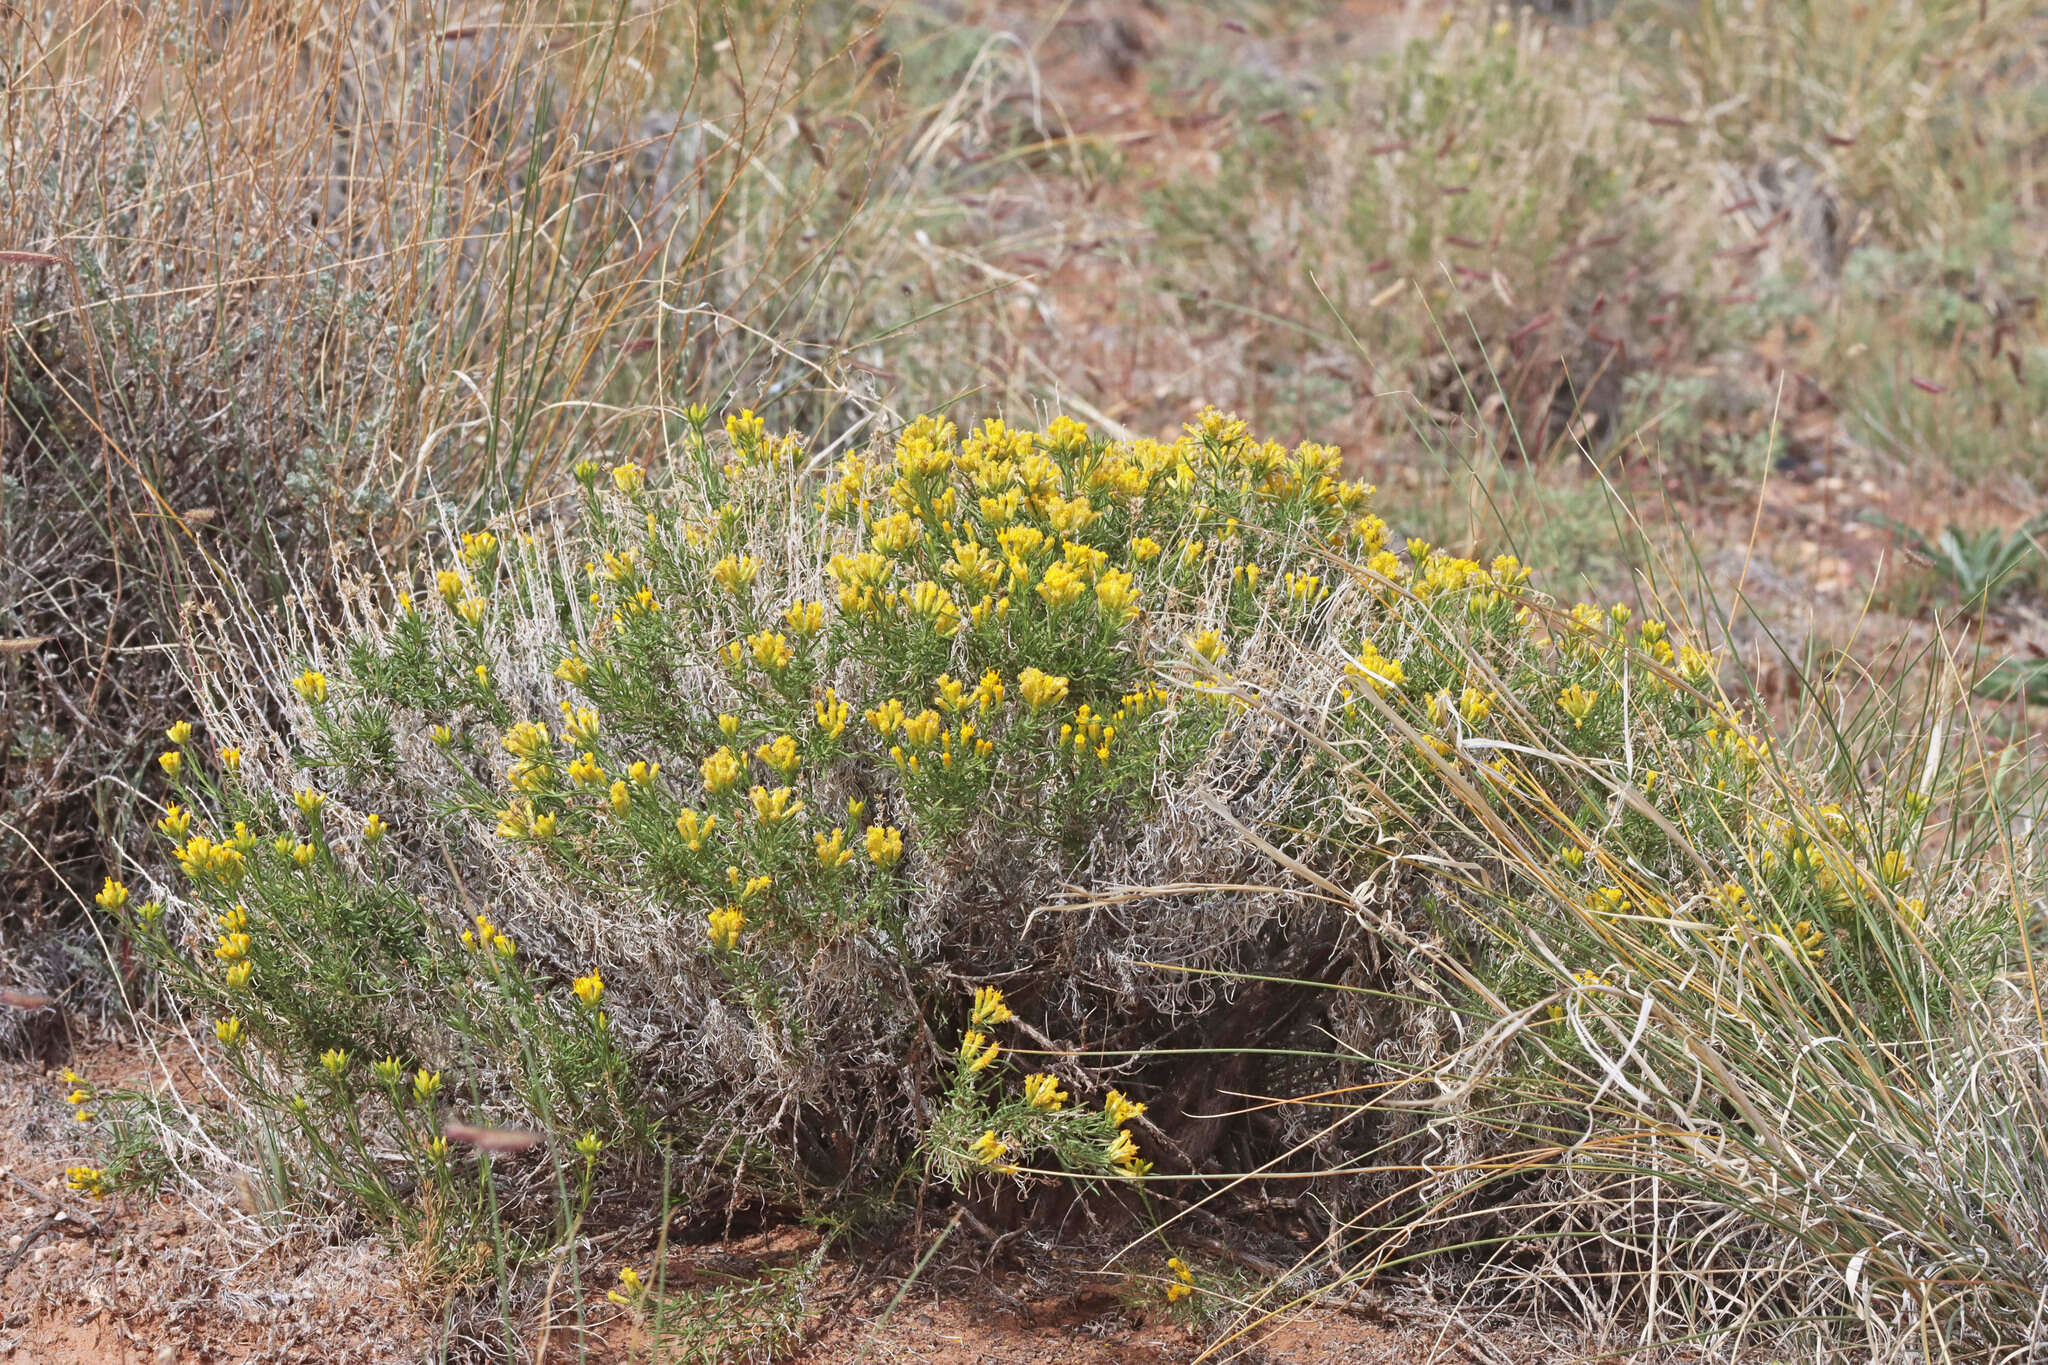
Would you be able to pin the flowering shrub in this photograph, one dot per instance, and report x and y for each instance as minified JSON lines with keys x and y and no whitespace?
{"x":791,"y":766}
{"x":965,"y":803}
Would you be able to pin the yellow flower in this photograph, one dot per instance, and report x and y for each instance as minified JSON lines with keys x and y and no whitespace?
{"x":425,"y":1084}
{"x":724,"y":927}
{"x":1116,"y":595}
{"x":833,"y":853}
{"x":1383,"y":673}
{"x":1805,"y":939}
{"x":1183,"y":1280}
{"x":1144,"y":549}
{"x":744,"y":428}
{"x":804,"y":618}
{"x":749,"y":888}
{"x":644,"y":773}
{"x":231,"y":759}
{"x":387,"y":1071}
{"x":721,"y":771}
{"x":436,"y":1148}
{"x":1474,"y":705}
{"x":1120,"y":1109}
{"x":311,"y":687}
{"x":928,"y":600}
{"x":978,"y":1050}
{"x":232,"y":947}
{"x":989,"y":1149}
{"x":112,"y":896}
{"x":695,"y":830}
{"x":202,"y":857}
{"x":309,"y":802}
{"x":1061,"y":586}
{"x":886,"y":717}
{"x":374,"y":829}
{"x":1894,"y":868}
{"x":228,"y":1030}
{"x":1578,"y":703}
{"x":780,"y":755}
{"x":1041,"y":689}
{"x":831,"y":713}
{"x":771,"y":651}
{"x":774,"y":807}
{"x":989,"y":691}
{"x":1123,"y":1151}
{"x":924,"y":728}
{"x":449,"y":584}
{"x":471,"y":610}
{"x":303,"y":854}
{"x":237,"y":976}
{"x":736,"y":573}
{"x":1209,"y":645}
{"x":989,"y":1008}
{"x":586,"y":771}
{"x":544,"y":826}
{"x":630,"y":1289}
{"x":573,"y":670}
{"x":580,"y":725}
{"x":177,"y":823}
{"x":88,"y":1180}
{"x":1068,"y":516}
{"x":334,"y":1061}
{"x":973,"y":566}
{"x":1042,"y":1091}
{"x":1696,"y":666}
{"x":516,"y":820}
{"x":620,"y":797}
{"x":589,"y":989}
{"x":588,"y":1146}
{"x":181,"y":733}
{"x":171,"y":761}
{"x":479,"y":547}
{"x":885,"y":845}
{"x":1304,"y":589}
{"x":628,"y":478}
{"x":896,"y":533}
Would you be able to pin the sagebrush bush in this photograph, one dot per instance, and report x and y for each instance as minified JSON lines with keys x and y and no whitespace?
{"x":1002,"y":806}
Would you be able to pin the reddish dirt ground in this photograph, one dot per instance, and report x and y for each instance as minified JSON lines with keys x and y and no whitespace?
{"x":195,"y":1278}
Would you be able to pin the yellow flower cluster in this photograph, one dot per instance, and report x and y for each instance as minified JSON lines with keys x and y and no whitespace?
{"x":80,"y":1098}
{"x":724,"y":925}
{"x":87,"y":1180}
{"x":487,"y":937}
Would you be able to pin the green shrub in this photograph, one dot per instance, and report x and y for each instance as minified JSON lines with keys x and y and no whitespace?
{"x":1001,"y":806}
{"x":796,"y":765}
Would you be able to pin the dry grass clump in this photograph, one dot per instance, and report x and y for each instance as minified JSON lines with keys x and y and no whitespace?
{"x":1748,"y":1030}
